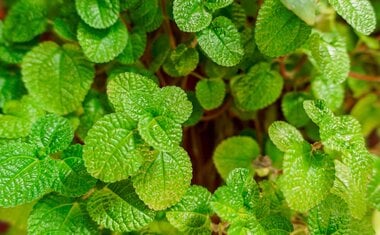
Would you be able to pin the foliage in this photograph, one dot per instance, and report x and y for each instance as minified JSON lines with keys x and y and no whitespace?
{"x":189,"y":117}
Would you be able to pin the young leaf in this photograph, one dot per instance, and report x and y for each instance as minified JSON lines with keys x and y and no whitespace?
{"x":192,"y":214}
{"x":117,"y":207}
{"x":276,"y":224}
{"x":162,"y":133}
{"x":318,"y":112}
{"x":210,"y":93}
{"x":51,"y":134}
{"x":112,"y":150}
{"x":164,"y":180}
{"x":304,"y":9}
{"x":257,"y":89}
{"x":374,"y":186}
{"x":57,"y":78}
{"x":229,"y":154}
{"x":221,"y":42}
{"x":72,"y":179}
{"x":102,"y":45}
{"x":58,"y":214}
{"x":285,"y":136}
{"x":359,"y":14}
{"x":332,"y":93}
{"x":23,"y":177}
{"x":191,"y":16}
{"x":135,"y":47}
{"x":131,"y":93}
{"x":98,"y":13}
{"x":279,"y":31}
{"x":292,"y":108}
{"x":217,"y":4}
{"x":181,"y":61}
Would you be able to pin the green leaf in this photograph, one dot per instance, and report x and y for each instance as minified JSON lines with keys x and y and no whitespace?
{"x":160,"y":50}
{"x":117,"y":207}
{"x":210,"y":92}
{"x":135,"y":47}
{"x":292,"y":108}
{"x":197,"y":110}
{"x":246,"y":225}
{"x":359,"y":14}
{"x":102,"y":45}
{"x":276,"y":225}
{"x":51,"y":134}
{"x":191,"y":16}
{"x":229,"y":154}
{"x":367,"y":111}
{"x":23,"y":177}
{"x":374,"y":186}
{"x":217,"y":4}
{"x":160,"y":132}
{"x":72,"y":178}
{"x":332,"y":93}
{"x":98,"y":13}
{"x":304,"y":9}
{"x":57,"y":78}
{"x":16,"y":217}
{"x":58,"y":214}
{"x":181,"y":61}
{"x":66,"y":23}
{"x":257,"y":89}
{"x":131,"y":93}
{"x":113,"y":148}
{"x":147,"y":15}
{"x":164,"y":180}
{"x":318,"y":112}
{"x":192,"y":214}
{"x":11,"y":87}
{"x":285,"y":136}
{"x":279,"y":31}
{"x":25,"y":20}
{"x":221,"y":42}
{"x":329,"y":55}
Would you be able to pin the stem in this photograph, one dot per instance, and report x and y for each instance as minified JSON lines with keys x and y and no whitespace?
{"x":218,"y":112}
{"x":364,"y":77}
{"x":284,"y":73}
{"x":167,"y":26}
{"x":196,"y":75}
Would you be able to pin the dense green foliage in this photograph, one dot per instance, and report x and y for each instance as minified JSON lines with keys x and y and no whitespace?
{"x":190,"y":117}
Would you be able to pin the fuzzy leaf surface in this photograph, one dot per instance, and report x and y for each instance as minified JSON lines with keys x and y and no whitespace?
{"x":304,"y":9}
{"x":98,"y":13}
{"x":181,"y":61}
{"x":210,"y":93}
{"x":191,"y":16}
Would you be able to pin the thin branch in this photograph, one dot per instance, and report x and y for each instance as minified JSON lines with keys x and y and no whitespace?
{"x":167,"y":26}
{"x":364,"y":77}
{"x":218,"y":112}
{"x":284,"y":73}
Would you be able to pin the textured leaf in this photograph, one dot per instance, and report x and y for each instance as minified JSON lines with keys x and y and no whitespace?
{"x":131,"y":93}
{"x":318,"y":112}
{"x":276,"y":225}
{"x":257,"y":89}
{"x":181,"y":61}
{"x":332,"y":93}
{"x":285,"y":136}
{"x":55,"y":214}
{"x":117,"y":207}
{"x":148,"y":20}
{"x":135,"y":47}
{"x":57,"y":78}
{"x":164,"y":180}
{"x":51,"y":134}
{"x":191,"y":16}
{"x":102,"y":45}
{"x":328,"y":52}
{"x":292,"y":108}
{"x":221,"y":42}
{"x":216,"y":4}
{"x":23,"y":177}
{"x":66,"y":23}
{"x":111,"y":152}
{"x":160,"y":132}
{"x":374,"y":186}
{"x":210,"y":93}
{"x":246,"y":225}
{"x":197,"y":110}
{"x":191,"y":214}
{"x":279,"y":31}
{"x":72,"y":178}
{"x":98,"y":13}
{"x":359,"y":14}
{"x":160,"y":50}
{"x":304,"y":9}
{"x":367,"y":112}
{"x":229,"y":154}
{"x":25,"y":20}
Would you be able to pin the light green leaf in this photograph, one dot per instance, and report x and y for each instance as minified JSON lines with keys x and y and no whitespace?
{"x":135,"y":47}
{"x":374,"y":186}
{"x":23,"y":177}
{"x":359,"y":14}
{"x":132,"y":93}
{"x":292,"y":108}
{"x":191,"y":16}
{"x":318,"y":112}
{"x":113,"y":148}
{"x":192,"y":214}
{"x":160,"y":132}
{"x":51,"y":134}
{"x":217,"y":4}
{"x":332,"y":93}
{"x":367,"y":112}
{"x":257,"y":89}
{"x":278,"y":30}
{"x":304,"y":9}
{"x":117,"y":207}
{"x":98,"y":13}
{"x":164,"y":180}
{"x":102,"y":45}
{"x":57,"y":78}
{"x":229,"y":154}
{"x":210,"y":92}
{"x":246,"y":225}
{"x":285,"y":136}
{"x":16,"y":217}
{"x":25,"y":20}
{"x":329,"y":55}
{"x":66,"y":23}
{"x":221,"y":42}
{"x":56,"y":214}
{"x":181,"y":61}
{"x":174,"y":104}
{"x":72,"y":178}
{"x":275,"y":224}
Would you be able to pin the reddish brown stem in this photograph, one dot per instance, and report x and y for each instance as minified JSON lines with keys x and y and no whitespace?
{"x":364,"y":77}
